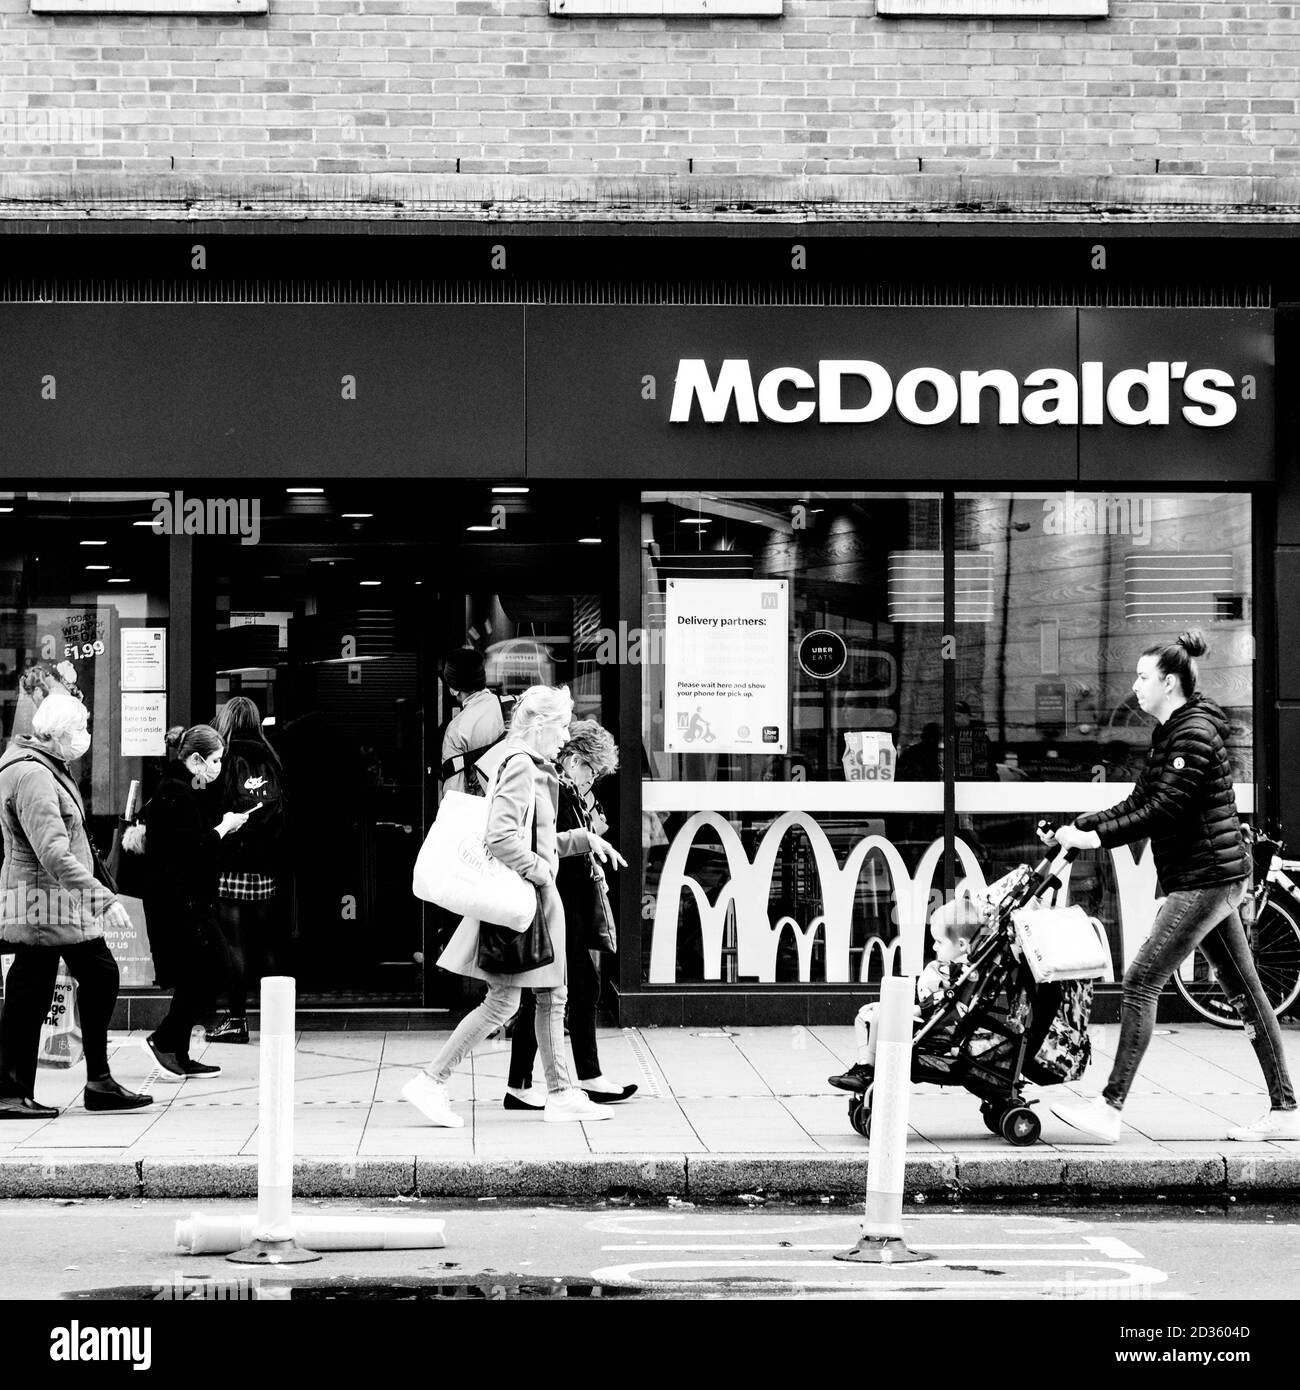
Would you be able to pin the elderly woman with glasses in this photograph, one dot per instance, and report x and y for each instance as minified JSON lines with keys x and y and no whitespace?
{"x":589,"y":755}
{"x":526,"y":787}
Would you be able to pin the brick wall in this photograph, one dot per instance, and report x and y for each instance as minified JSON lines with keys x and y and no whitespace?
{"x":499,"y":87}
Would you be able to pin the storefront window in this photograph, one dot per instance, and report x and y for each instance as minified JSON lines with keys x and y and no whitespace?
{"x":1079,"y":585}
{"x":794,"y":722}
{"x":774,"y":643}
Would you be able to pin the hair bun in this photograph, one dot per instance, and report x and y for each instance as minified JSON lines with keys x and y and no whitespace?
{"x":173,"y":736}
{"x":1193,"y":642}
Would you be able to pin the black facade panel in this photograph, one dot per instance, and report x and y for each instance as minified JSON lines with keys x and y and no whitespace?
{"x":246,"y":390}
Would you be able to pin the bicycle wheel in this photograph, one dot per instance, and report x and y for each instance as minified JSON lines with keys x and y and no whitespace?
{"x":1275,"y":941}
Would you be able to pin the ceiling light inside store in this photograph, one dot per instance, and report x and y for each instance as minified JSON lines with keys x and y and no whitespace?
{"x":357,"y":516}
{"x":6,"y":509}
{"x":92,"y":542}
{"x":510,"y":489}
{"x":371,"y":583}
{"x":482,"y":528}
{"x":119,"y":581}
{"x":149,"y":524}
{"x":315,"y":491}
{"x":99,"y":567}
{"x":588,"y":540}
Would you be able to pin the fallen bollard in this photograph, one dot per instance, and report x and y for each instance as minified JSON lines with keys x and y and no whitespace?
{"x":882,"y":1240}
{"x":220,"y":1235}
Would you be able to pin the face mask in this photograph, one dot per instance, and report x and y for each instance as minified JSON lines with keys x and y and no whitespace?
{"x":76,"y":746}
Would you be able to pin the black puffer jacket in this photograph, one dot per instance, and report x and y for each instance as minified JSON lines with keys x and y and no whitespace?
{"x":1183,"y":800}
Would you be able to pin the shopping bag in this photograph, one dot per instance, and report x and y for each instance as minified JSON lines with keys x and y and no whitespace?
{"x":455,"y":870}
{"x":60,"y":1044}
{"x":1066,"y":1049}
{"x":1062,"y":944}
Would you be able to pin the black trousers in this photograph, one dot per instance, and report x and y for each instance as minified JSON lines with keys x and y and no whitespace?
{"x":584,"y":994}
{"x":254,"y":946}
{"x":29,"y":992}
{"x":199,"y":967}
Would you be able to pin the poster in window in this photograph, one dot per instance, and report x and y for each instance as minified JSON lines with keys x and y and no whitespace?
{"x":144,"y":658}
{"x":727,"y":666}
{"x":144,"y":724}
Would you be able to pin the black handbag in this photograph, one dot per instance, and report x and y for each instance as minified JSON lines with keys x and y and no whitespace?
{"x":502,"y":951}
{"x":602,"y":934}
{"x":505,"y":952}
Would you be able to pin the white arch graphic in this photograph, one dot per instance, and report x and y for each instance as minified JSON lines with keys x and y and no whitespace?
{"x":749,"y":885}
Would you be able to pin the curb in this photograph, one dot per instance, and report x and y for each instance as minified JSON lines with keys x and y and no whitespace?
{"x":702,"y":1177}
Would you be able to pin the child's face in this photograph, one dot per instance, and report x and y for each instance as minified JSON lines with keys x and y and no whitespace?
{"x":947,"y":948}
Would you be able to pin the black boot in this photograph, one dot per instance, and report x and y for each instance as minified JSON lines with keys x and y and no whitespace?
{"x":106,"y":1094}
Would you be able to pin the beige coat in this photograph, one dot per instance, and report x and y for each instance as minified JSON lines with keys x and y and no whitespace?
{"x":522,"y":780}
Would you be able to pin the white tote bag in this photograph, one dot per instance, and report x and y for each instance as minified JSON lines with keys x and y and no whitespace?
{"x":455,"y":871}
{"x":1062,"y":944}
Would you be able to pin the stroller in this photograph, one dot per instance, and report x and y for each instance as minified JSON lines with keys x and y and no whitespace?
{"x":995,"y":1025}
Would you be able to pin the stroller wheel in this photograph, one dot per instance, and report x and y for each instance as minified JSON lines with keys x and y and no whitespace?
{"x":860,"y":1118}
{"x":1020,"y":1126}
{"x":991,"y":1114}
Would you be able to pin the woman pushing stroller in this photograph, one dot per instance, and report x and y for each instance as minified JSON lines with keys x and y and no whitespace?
{"x":1185,"y":803}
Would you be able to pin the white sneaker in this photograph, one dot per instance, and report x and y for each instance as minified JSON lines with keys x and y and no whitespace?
{"x":1093,"y":1117}
{"x":573,"y":1106}
{"x":430,"y":1098}
{"x":1274,"y":1124}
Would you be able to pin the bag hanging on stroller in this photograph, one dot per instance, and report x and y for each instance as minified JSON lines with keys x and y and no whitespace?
{"x":1066,"y":1049}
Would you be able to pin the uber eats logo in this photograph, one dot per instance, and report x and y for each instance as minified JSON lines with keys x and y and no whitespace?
{"x":845,"y":391}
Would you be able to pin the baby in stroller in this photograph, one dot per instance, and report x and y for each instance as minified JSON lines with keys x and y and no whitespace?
{"x":952,"y":929}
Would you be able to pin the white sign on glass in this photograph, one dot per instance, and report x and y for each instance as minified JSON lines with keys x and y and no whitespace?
{"x":144,"y":725}
{"x":144,"y":658}
{"x":727,"y":666}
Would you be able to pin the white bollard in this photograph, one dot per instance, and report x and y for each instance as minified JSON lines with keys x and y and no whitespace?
{"x":219,"y":1235}
{"x":882,"y":1229}
{"x":274,"y":1242}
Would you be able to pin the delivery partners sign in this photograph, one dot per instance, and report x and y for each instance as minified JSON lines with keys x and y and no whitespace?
{"x":726,"y":666}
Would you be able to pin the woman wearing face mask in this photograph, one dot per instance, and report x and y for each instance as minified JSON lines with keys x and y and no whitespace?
{"x":51,"y":906}
{"x":526,"y":788}
{"x":1184,"y":802}
{"x":181,"y":852}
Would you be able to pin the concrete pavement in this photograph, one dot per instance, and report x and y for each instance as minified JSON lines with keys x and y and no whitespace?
{"x":720,"y":1112}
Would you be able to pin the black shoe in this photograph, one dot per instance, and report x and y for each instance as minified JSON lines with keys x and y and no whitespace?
{"x":193,"y":1068}
{"x":168,"y":1061}
{"x":107,"y":1094}
{"x":514,"y":1103}
{"x":25,"y":1108}
{"x":857,"y":1078}
{"x":229,"y":1030}
{"x":610,"y":1097}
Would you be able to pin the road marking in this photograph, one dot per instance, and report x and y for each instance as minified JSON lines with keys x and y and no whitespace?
{"x":1137,"y":1276}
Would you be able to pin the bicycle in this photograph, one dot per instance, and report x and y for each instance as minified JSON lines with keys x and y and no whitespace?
{"x":1269,"y":915}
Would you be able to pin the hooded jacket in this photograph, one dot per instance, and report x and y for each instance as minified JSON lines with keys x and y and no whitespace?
{"x":1184,"y":801}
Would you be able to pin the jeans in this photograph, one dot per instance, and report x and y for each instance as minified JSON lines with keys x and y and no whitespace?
{"x":494,"y":1012}
{"x":1204,"y":917}
{"x":584,"y":992}
{"x":28,"y":994}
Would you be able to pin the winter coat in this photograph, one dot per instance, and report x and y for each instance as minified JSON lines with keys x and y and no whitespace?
{"x":49,"y":895}
{"x":251,"y":776}
{"x":1184,"y":801}
{"x":181,"y":861}
{"x":522,"y":779}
